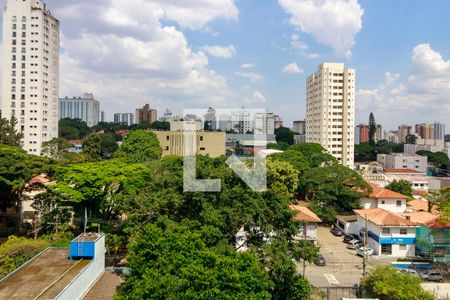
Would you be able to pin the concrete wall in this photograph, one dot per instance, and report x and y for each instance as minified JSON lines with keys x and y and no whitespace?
{"x":81,"y":284}
{"x":386,"y":204}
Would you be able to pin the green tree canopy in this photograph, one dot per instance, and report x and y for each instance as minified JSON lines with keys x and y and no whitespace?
{"x":173,"y":261}
{"x":139,"y":147}
{"x":439,"y":159}
{"x":314,"y":153}
{"x":92,"y":148}
{"x":158,"y":125}
{"x":73,"y":129}
{"x":388,"y":283}
{"x":284,"y":134}
{"x":56,"y":148}
{"x":8,"y":133}
{"x":278,"y":146}
{"x":108,"y":145}
{"x":333,"y":189}
{"x":402,"y":186}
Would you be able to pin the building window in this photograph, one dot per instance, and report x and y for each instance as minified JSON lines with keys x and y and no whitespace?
{"x":383,"y":202}
{"x":399,"y":203}
{"x":201,"y":138}
{"x":403,"y":231}
{"x":167,"y":138}
{"x":202,"y":149}
{"x":386,"y":249}
{"x":386,"y":230}
{"x":402,"y":247}
{"x":167,"y":148}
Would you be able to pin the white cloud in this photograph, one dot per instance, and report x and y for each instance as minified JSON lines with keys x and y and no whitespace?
{"x":423,"y":96}
{"x":248,"y":66}
{"x":253,"y":77}
{"x":127,"y":56}
{"x":257,"y":98}
{"x":334,"y":23}
{"x":292,"y":68}
{"x":296,"y":43}
{"x":220,"y":51}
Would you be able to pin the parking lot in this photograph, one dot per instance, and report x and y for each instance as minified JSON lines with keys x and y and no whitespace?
{"x":344,"y":268}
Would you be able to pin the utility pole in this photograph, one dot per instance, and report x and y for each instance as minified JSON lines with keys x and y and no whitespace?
{"x":365,"y":251}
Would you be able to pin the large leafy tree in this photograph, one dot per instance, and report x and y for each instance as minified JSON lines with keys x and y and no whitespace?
{"x":56,"y":148}
{"x":284,"y":134}
{"x":305,"y":251}
{"x":439,"y":159}
{"x":315,"y":154}
{"x":401,"y":186}
{"x":139,"y":147}
{"x":16,"y":169}
{"x":8,"y":133}
{"x":386,"y":282}
{"x":99,"y":186}
{"x":73,"y":129}
{"x":108,"y":145}
{"x":333,"y":189}
{"x":174,"y":261}
{"x":92,"y":148}
{"x":282,"y":177}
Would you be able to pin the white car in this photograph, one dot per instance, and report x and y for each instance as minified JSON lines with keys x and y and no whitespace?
{"x":367,"y":251}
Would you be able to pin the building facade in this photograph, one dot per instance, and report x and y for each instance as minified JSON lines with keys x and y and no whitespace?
{"x":191,"y":142}
{"x":362,"y":133}
{"x":31,"y":71}
{"x":404,"y":161}
{"x":264,"y":123}
{"x":242,"y":121}
{"x":146,"y":115}
{"x":330,"y":110}
{"x":299,"y":127}
{"x":403,"y":131}
{"x":85,"y":108}
{"x":124,"y":118}
{"x":425,"y":131}
{"x":439,"y":131}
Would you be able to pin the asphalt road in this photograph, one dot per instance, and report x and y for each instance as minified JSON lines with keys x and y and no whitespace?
{"x":344,"y":267}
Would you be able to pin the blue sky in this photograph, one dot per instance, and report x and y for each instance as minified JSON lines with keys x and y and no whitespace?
{"x":180,"y":54}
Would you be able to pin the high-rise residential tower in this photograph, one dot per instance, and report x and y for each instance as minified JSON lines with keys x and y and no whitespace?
{"x":146,"y":115}
{"x":439,"y":131}
{"x":330,"y":110}
{"x":124,"y":118}
{"x":31,"y":71}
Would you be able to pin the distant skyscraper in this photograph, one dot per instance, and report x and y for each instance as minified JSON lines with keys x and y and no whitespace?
{"x":241,"y":121}
{"x":124,"y":118}
{"x":425,"y":131}
{"x":278,"y":121}
{"x":439,"y":131}
{"x":299,"y":127}
{"x":146,"y":115}
{"x":403,"y":131}
{"x":362,"y":131}
{"x":86,"y":108}
{"x":379,"y":133}
{"x":330,"y":110}
{"x":102,"y":116}
{"x":31,"y":71}
{"x":264,"y":123}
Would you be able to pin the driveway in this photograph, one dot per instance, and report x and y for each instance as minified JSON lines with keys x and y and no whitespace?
{"x":344,"y":267}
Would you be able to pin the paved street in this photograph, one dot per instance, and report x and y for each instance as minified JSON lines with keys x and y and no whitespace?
{"x":344,"y":267}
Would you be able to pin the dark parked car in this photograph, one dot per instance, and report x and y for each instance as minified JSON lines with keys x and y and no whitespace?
{"x":336,"y":231}
{"x":320,"y":261}
{"x":349,"y":237}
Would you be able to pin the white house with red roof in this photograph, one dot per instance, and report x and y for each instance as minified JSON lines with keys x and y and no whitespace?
{"x":308,"y":230}
{"x":385,"y":199}
{"x":388,"y":233}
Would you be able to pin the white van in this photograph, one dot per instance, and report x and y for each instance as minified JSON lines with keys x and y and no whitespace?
{"x":354,"y":244}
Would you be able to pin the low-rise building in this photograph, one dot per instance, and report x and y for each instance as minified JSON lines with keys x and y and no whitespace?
{"x":308,"y":230}
{"x":191,"y":142}
{"x":403,"y":161}
{"x":385,"y":199}
{"x":388,"y":233}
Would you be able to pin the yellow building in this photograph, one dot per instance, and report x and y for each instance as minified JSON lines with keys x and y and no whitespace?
{"x":200,"y":142}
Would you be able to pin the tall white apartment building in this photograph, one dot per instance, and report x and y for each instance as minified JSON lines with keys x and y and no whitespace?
{"x":242,"y":121}
{"x":31,"y":71}
{"x":264,"y":123}
{"x":330,"y":110}
{"x":85,"y":108}
{"x":124,"y":118}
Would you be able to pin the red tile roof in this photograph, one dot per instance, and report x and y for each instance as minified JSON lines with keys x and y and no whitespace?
{"x":304,"y":214}
{"x":421,"y":217}
{"x":417,"y":205}
{"x":383,"y":217}
{"x":38,"y":179}
{"x":404,"y":171}
{"x":380,"y":193}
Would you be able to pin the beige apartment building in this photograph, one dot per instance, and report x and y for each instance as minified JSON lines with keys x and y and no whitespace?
{"x":190,"y":142}
{"x":146,"y":115}
{"x":330,"y":110}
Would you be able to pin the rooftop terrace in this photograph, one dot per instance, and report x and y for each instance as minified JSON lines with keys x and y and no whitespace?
{"x":44,"y":277}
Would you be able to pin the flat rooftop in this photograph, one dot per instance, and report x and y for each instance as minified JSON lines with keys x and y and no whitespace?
{"x":43,"y":277}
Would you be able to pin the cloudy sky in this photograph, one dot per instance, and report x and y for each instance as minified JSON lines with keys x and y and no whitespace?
{"x":180,"y":54}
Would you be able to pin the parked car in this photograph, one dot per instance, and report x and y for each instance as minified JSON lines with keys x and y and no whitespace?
{"x":336,"y":231}
{"x":320,"y":261}
{"x":354,"y":244}
{"x":349,"y":237}
{"x":410,"y":271}
{"x":367,"y":251}
{"x":432,"y":276}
